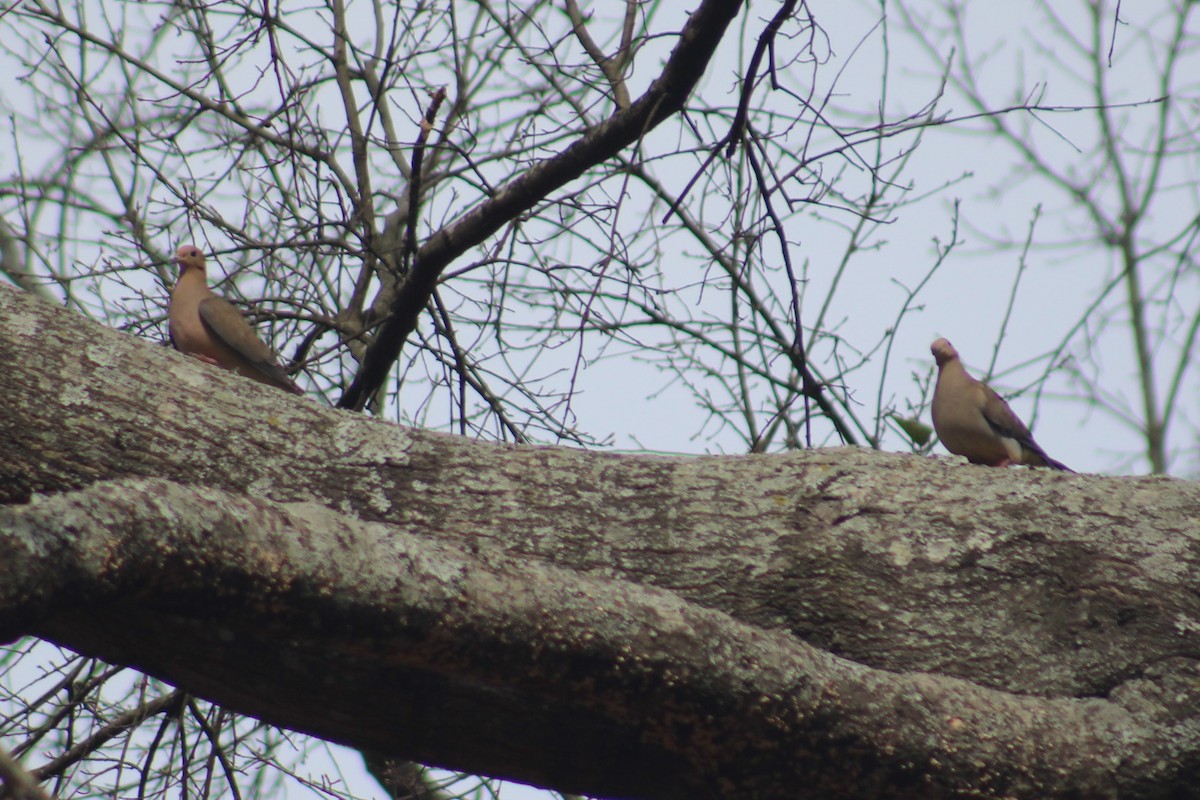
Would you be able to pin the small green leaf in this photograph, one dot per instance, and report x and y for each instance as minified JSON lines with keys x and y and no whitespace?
{"x":918,"y":432}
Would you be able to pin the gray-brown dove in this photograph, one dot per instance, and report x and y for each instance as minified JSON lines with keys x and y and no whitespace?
{"x":212,"y":329}
{"x":974,"y":421}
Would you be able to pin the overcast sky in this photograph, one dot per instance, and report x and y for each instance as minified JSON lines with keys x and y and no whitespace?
{"x":968,"y":298}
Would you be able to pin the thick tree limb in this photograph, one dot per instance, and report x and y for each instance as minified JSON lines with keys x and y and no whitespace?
{"x":864,"y":624}
{"x":363,"y":634}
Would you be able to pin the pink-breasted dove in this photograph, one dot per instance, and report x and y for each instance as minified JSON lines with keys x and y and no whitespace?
{"x":974,"y":421}
{"x":212,"y":329}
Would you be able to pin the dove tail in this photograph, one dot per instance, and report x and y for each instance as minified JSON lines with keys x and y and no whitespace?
{"x":1050,"y":462}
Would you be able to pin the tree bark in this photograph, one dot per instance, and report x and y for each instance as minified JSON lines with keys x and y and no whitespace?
{"x":852,"y":623}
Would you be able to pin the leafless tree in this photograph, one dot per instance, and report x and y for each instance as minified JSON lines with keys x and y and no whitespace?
{"x":1113,"y":181}
{"x":451,"y":214}
{"x":471,"y":296}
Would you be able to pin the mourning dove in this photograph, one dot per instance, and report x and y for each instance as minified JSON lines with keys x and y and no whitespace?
{"x":974,"y":421}
{"x":212,"y":329}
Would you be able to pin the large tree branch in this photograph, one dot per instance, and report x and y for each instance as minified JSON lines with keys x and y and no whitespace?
{"x":473,"y":658}
{"x":866,"y":624}
{"x":666,"y":96}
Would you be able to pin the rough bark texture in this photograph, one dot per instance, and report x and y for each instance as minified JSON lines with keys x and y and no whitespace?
{"x":855,"y":623}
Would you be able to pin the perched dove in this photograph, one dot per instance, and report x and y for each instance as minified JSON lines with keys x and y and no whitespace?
{"x":212,"y":329}
{"x":974,"y":421}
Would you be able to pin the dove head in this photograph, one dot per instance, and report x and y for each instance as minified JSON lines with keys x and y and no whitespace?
{"x":189,"y":257}
{"x":943,"y":351}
